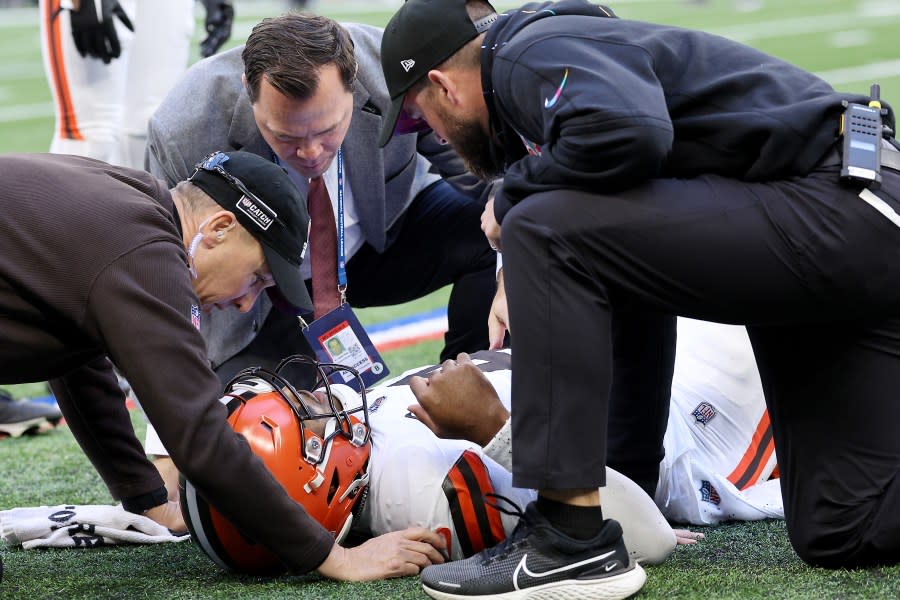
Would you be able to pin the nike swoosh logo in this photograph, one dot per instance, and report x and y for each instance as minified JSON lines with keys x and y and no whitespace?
{"x":522,"y":567}
{"x":550,"y":102}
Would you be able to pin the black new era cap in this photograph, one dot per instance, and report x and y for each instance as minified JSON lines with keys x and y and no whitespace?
{"x":419,"y":37}
{"x":269,"y":206}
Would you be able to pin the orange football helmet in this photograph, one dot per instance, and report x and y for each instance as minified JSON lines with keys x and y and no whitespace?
{"x":315,"y":445}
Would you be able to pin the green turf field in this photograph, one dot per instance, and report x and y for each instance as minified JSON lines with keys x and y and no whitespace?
{"x":850,"y":43}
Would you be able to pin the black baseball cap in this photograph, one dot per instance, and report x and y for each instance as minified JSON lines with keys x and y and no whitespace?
{"x":269,"y":206}
{"x":419,"y":37}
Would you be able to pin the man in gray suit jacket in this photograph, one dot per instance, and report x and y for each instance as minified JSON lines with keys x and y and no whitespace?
{"x":303,"y":87}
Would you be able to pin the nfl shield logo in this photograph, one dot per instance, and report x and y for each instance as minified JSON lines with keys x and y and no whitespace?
{"x":704,"y":413}
{"x":708,"y":493}
{"x":195,"y":316}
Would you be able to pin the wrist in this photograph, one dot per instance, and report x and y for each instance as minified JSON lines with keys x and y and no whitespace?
{"x":332,"y":566}
{"x":500,"y":447}
{"x":497,"y":418}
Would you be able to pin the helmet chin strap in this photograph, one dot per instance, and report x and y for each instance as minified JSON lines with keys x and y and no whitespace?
{"x":192,"y":248}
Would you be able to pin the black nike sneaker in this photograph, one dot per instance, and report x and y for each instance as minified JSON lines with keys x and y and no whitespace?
{"x":17,"y":418}
{"x":540,"y":563}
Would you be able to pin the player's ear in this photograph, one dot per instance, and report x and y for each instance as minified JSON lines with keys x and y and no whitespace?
{"x":245,"y":85}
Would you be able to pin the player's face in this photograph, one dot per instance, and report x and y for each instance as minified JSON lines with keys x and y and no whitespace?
{"x":231,"y":273}
{"x":317,"y":404}
{"x":306,"y":134}
{"x":465,"y":128}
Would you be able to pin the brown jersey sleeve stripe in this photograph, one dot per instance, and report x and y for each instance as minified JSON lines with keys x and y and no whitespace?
{"x":477,"y":526}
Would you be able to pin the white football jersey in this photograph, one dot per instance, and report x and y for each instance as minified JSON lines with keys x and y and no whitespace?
{"x":719,"y":447}
{"x":417,"y":479}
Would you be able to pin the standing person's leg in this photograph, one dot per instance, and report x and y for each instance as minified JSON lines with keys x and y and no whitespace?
{"x":439,"y":242}
{"x":88,"y":94}
{"x":832,"y":393}
{"x":161,"y":46}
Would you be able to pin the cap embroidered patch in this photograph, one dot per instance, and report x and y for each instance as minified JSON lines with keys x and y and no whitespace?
{"x":261,"y":214}
{"x":407,"y":64}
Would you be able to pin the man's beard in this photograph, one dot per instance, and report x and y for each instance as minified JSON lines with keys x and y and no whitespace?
{"x":473,"y":145}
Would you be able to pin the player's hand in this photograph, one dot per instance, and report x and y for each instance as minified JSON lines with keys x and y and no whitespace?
{"x":219,"y":18}
{"x":490,"y":226}
{"x":168,"y":515}
{"x":686,"y":537}
{"x":395,"y":554}
{"x":458,"y":402}
{"x":94,"y":28}
{"x":498,"y":318}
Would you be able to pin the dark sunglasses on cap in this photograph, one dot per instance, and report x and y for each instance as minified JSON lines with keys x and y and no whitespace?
{"x":213,"y":163}
{"x":408,"y":124}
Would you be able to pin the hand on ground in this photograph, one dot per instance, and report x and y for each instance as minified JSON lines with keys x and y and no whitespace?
{"x":168,"y":515}
{"x":396,"y":554}
{"x":686,"y":537}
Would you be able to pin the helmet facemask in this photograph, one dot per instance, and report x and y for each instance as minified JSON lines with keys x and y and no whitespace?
{"x":313,"y":444}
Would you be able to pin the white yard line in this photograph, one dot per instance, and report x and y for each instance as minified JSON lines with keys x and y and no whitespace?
{"x":811,"y":24}
{"x":862,"y":73}
{"x":875,"y":12}
{"x":25,"y":112}
{"x":869,"y":72}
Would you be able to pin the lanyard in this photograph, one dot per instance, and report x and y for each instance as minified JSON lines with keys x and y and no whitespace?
{"x":342,"y":255}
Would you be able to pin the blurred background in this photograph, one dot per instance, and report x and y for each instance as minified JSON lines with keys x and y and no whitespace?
{"x":849,"y":43}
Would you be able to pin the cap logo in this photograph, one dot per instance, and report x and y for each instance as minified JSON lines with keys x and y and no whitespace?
{"x":259,"y":213}
{"x":407,"y":64}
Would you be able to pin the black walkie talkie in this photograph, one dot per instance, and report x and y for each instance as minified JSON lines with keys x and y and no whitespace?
{"x":862,"y":131}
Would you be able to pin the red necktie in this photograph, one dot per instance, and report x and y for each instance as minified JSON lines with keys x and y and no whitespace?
{"x":323,"y":246}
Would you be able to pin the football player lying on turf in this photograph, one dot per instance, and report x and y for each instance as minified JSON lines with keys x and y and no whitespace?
{"x":718,"y":417}
{"x":317,"y":444}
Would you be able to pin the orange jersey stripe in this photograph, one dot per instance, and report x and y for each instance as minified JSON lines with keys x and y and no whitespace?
{"x":761,"y":447}
{"x":68,"y":125}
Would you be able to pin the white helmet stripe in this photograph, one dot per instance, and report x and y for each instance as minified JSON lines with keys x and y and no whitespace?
{"x":199,"y":534}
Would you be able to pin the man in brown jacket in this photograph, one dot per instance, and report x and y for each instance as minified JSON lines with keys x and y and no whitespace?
{"x":103,"y":266}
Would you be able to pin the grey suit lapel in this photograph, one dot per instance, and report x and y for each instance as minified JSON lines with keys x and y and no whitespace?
{"x":365,"y":168}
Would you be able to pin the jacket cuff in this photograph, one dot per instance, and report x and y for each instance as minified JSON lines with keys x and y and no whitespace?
{"x":144,"y":502}
{"x":501,"y":206}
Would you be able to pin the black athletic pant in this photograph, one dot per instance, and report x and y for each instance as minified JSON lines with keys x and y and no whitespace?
{"x":439,"y":242}
{"x":811,"y":269}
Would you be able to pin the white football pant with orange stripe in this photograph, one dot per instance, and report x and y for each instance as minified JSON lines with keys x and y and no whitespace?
{"x":720,"y":452}
{"x":102,"y":109}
